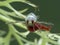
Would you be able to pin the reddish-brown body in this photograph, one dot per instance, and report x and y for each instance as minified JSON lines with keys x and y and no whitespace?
{"x":38,"y":26}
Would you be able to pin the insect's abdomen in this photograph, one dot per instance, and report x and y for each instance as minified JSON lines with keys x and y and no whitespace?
{"x":43,"y":27}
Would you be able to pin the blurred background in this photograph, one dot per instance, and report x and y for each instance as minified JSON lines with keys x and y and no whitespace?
{"x":49,"y":11}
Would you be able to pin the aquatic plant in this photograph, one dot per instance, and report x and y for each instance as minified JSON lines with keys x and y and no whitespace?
{"x":45,"y":37}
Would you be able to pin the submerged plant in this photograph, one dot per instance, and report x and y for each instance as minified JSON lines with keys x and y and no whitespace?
{"x":30,"y":24}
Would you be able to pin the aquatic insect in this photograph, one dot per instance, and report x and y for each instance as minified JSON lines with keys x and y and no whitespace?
{"x":33,"y":24}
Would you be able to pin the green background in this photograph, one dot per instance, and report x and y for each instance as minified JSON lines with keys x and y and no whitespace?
{"x":49,"y":12}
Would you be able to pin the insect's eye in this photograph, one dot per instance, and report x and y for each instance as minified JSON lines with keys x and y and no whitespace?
{"x":32,"y":21}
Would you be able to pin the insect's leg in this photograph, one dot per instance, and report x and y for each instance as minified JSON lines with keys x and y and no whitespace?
{"x":33,"y":27}
{"x":37,"y":26}
{"x":46,"y":23}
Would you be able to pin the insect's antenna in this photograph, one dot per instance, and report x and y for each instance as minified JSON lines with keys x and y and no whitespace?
{"x":37,"y":10}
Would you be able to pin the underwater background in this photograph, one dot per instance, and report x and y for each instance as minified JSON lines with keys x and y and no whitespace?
{"x":49,"y":11}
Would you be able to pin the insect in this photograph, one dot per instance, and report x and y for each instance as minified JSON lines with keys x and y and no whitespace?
{"x":33,"y":24}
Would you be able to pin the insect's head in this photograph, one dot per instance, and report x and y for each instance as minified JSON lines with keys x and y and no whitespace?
{"x":31,"y":18}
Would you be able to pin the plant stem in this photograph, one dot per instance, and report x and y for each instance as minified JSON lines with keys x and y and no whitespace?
{"x":18,"y":14}
{"x":44,"y":36}
{"x":18,"y":39}
{"x":44,"y":41}
{"x":8,"y":37}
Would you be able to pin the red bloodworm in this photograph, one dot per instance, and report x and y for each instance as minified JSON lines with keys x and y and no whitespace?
{"x":42,"y":27}
{"x":37,"y":26}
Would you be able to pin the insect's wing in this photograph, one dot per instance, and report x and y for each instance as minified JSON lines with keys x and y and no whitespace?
{"x":47,"y":23}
